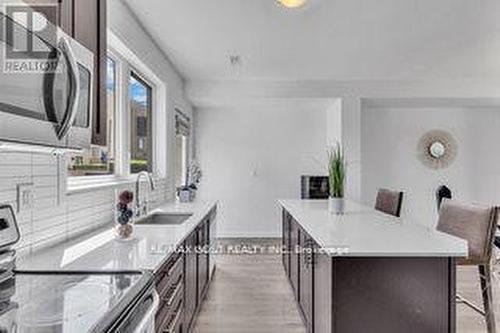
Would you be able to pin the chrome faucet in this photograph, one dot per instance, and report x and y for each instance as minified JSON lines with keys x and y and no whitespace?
{"x":142,"y":207}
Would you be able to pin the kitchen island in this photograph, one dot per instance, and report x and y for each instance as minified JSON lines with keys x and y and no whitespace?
{"x":366,"y":271}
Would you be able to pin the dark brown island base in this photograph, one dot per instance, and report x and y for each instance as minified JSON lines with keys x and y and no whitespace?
{"x":368,"y":272}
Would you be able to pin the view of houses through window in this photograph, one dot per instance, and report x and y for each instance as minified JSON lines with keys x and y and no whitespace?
{"x":141,"y":145}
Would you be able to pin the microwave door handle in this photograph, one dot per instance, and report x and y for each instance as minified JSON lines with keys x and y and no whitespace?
{"x":48,"y":87}
{"x":74,"y":95}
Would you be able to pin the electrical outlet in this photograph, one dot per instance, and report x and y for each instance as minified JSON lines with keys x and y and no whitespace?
{"x":25,"y":197}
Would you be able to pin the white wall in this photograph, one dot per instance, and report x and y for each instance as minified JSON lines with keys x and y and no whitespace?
{"x":334,"y":123}
{"x":389,"y":156}
{"x":217,"y":93}
{"x":81,"y":212}
{"x":253,"y":156}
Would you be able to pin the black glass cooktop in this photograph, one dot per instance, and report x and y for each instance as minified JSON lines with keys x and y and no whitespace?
{"x":64,"y":302}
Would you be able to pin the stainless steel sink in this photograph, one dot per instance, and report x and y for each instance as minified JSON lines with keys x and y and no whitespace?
{"x":165,"y":219}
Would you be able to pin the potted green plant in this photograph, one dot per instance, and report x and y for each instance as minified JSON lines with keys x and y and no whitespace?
{"x":336,"y":174}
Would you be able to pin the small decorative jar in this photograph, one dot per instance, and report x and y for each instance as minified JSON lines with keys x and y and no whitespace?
{"x":124,"y":215}
{"x":186,"y":194}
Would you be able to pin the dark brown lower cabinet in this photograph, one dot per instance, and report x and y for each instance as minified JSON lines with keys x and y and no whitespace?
{"x":322,"y":294}
{"x":169,"y":282}
{"x":191,"y":280}
{"x":306,"y":278}
{"x":203,"y":241}
{"x":294,"y":258}
{"x":196,"y":271}
{"x":286,"y":242}
{"x":371,"y":294}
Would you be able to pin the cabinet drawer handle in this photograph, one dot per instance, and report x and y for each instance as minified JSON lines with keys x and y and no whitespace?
{"x":309,"y":257}
{"x":174,"y":292}
{"x":174,"y":266}
{"x":173,"y":324}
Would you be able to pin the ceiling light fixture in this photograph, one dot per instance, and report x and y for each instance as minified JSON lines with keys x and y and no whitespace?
{"x":292,"y":3}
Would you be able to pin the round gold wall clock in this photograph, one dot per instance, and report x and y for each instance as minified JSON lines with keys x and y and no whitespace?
{"x":437,"y":149}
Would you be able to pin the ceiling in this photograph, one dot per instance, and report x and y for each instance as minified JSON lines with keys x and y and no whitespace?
{"x":329,"y":39}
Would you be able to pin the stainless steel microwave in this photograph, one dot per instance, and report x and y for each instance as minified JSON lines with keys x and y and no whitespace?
{"x":45,"y":100}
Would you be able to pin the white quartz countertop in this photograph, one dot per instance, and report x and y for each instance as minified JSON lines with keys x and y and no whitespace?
{"x":101,"y":251}
{"x":364,"y":232}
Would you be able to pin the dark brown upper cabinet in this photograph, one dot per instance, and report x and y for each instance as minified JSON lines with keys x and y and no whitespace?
{"x":85,"y":20}
{"x":89,"y":28}
{"x":63,"y":17}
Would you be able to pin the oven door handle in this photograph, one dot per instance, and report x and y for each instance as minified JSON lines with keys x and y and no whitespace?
{"x":74,"y":94}
{"x":149,"y":315}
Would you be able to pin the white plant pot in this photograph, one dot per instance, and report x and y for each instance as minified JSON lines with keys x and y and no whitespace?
{"x":336,"y":205}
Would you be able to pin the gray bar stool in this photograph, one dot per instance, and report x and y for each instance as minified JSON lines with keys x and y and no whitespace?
{"x":477,"y":226}
{"x":389,"y":202}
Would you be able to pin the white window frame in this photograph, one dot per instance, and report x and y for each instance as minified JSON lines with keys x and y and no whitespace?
{"x":127,"y":62}
{"x":154,"y":138}
{"x":186,"y":158}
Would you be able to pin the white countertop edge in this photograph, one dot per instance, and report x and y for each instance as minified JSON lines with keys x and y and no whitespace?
{"x":456,"y":255}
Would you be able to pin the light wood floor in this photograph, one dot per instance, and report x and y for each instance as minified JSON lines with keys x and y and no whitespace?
{"x":250,"y":294}
{"x":468,"y":321}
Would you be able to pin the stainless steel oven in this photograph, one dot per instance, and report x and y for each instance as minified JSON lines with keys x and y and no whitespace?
{"x":44,"y":100}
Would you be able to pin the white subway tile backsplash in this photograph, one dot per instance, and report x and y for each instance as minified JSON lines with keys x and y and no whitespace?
{"x":11,"y":170}
{"x":23,"y":217}
{"x":45,"y":181}
{"x":50,"y":222}
{"x":44,"y":170}
{"x":44,"y":234}
{"x":8,"y":195}
{"x":44,"y":202}
{"x":44,"y":159}
{"x":25,"y":242}
{"x":45,"y":192}
{"x":49,"y":212}
{"x":47,"y":223}
{"x":10,"y":183}
{"x":46,"y":242}
{"x":11,"y":158}
{"x":25,"y":229}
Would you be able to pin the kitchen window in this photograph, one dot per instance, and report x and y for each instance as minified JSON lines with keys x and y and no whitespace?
{"x":136,"y":132}
{"x":141,"y":143}
{"x":99,"y":160}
